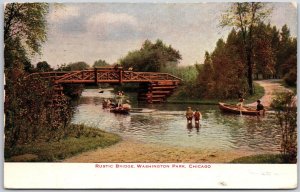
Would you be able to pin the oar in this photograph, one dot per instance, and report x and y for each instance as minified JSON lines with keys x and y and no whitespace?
{"x":241,"y":111}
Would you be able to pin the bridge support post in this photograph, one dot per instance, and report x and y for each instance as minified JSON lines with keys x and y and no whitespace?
{"x":121,"y":74}
{"x":96,"y":75}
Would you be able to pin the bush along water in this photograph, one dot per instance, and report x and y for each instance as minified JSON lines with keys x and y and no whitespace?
{"x":37,"y":122}
{"x":286,"y":113}
{"x":30,"y":112}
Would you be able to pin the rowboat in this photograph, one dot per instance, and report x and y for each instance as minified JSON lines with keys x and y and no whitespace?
{"x":236,"y":110}
{"x":120,"y":110}
{"x":115,"y":108}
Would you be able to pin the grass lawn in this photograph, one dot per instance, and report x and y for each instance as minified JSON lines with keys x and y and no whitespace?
{"x":179,"y":97}
{"x":260,"y":159}
{"x":293,"y":88}
{"x":88,"y":139}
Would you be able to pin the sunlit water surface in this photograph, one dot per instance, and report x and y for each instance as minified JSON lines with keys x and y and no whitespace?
{"x":167,"y":125}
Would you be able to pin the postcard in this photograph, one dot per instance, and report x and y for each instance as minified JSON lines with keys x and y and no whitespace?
{"x":150,"y":95}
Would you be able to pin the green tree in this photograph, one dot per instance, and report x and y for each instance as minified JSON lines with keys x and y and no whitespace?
{"x":245,"y":16}
{"x":77,"y":66}
{"x":24,"y":31}
{"x":151,"y":57}
{"x":223,"y":72}
{"x":205,"y":76}
{"x":287,"y":57}
{"x":43,"y":67}
{"x":264,"y":54}
{"x":100,"y":63}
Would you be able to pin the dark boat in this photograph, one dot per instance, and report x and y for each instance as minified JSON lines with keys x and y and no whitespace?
{"x":234,"y":109}
{"x":120,"y":110}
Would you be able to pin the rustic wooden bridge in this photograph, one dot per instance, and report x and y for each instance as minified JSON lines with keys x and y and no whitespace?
{"x":153,"y":87}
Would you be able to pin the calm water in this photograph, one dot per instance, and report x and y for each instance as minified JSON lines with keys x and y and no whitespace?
{"x":167,"y":125}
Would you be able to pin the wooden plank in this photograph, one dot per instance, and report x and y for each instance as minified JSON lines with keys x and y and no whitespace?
{"x":161,"y":92}
{"x":164,"y":87}
{"x":158,"y":96}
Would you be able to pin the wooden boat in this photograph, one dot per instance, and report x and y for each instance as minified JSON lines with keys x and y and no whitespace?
{"x":120,"y":110}
{"x":234,"y":109}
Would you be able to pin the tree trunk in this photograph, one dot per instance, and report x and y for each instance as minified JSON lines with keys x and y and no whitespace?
{"x":249,"y":74}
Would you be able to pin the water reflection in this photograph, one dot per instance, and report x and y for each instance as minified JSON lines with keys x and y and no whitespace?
{"x":167,"y":125}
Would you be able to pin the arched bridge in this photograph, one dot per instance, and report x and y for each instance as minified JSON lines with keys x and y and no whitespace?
{"x":153,"y":86}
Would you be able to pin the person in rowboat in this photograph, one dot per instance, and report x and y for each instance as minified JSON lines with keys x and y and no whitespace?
{"x":189,"y":115}
{"x":240,"y":104}
{"x":260,"y":108}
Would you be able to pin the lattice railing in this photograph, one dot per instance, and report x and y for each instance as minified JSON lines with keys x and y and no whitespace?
{"x":108,"y":75}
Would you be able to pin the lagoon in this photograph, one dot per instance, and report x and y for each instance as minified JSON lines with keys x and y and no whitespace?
{"x":165,"y":124}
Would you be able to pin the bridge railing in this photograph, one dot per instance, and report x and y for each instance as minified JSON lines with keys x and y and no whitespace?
{"x":109,"y":75}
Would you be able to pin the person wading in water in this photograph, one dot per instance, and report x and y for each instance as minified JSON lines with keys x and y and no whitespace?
{"x":197,"y":116}
{"x":189,"y":115}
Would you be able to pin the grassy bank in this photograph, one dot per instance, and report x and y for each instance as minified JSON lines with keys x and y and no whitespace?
{"x":181,"y":97}
{"x":293,"y":88}
{"x":81,"y":139}
{"x":263,"y":158}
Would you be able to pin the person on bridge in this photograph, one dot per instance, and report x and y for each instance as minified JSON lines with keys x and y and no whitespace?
{"x":189,"y":115}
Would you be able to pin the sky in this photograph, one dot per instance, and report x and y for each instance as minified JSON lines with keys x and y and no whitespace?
{"x":108,"y":31}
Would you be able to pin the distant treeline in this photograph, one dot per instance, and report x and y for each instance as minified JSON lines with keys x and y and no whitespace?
{"x":224,"y":71}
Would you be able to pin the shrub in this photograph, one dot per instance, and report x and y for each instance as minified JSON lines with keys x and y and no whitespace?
{"x":286,"y":113}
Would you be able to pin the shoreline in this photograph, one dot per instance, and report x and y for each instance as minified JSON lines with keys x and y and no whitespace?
{"x":132,"y":151}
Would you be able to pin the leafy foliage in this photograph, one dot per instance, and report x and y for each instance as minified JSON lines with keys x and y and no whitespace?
{"x":77,"y":66}
{"x":24,"y":30}
{"x":29,"y":114}
{"x":264,"y":52}
{"x":223,"y":74}
{"x":43,"y":67}
{"x":151,"y":57}
{"x":245,"y":16}
{"x":100,"y":63}
{"x":287,"y":57}
{"x":286,"y":113}
{"x":225,"y":71}
{"x":188,"y":74}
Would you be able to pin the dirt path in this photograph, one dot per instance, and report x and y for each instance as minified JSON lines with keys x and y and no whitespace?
{"x":130,"y":151}
{"x":271,"y":86}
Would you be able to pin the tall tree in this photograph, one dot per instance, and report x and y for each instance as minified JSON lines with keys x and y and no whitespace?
{"x":205,"y":76}
{"x":24,"y":30}
{"x":264,"y":56}
{"x":287,"y":54}
{"x":245,"y":16}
